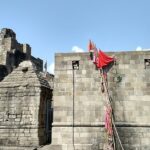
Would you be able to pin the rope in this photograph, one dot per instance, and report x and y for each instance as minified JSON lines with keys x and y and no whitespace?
{"x":117,"y":133}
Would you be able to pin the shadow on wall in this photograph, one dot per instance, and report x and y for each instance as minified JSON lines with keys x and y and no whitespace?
{"x":45,"y":117}
{"x":3,"y":72}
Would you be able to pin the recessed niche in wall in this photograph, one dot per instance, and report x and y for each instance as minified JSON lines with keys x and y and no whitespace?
{"x":75,"y":64}
{"x":147,"y":63}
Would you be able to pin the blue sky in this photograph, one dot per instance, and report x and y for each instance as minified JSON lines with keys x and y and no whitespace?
{"x":54,"y":26}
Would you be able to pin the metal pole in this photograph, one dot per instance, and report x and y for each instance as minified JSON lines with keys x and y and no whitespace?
{"x":73,"y":111}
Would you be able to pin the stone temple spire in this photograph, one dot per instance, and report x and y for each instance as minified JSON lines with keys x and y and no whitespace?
{"x":5,"y":33}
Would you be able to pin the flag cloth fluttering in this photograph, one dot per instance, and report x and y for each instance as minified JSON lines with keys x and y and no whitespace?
{"x":103,"y":59}
{"x":91,"y":49}
{"x":90,"y":46}
{"x":99,"y":58}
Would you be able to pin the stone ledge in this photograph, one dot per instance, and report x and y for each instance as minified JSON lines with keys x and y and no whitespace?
{"x":100,"y":124}
{"x":65,"y":147}
{"x":16,"y":148}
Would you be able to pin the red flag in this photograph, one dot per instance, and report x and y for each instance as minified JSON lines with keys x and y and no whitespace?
{"x":90,"y":46}
{"x":108,"y":123}
{"x":103,"y":59}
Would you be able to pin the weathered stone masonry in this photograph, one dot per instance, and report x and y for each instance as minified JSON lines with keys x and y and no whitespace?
{"x":12,"y":53}
{"x":82,"y":123}
{"x":25,"y":99}
{"x":25,"y":96}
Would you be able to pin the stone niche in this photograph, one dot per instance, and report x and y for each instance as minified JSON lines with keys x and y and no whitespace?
{"x":25,"y":108}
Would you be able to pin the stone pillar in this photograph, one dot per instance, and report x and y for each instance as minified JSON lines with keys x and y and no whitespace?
{"x":27,"y":51}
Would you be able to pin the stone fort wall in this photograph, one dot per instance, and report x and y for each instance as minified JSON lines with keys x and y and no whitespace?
{"x":79,"y":105}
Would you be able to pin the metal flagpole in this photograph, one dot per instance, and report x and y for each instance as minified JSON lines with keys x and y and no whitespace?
{"x":73,"y":113}
{"x":75,"y":66}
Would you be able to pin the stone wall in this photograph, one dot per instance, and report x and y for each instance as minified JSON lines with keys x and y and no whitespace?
{"x":24,"y":115}
{"x":12,"y":52}
{"x":131,"y":99}
{"x":79,"y":104}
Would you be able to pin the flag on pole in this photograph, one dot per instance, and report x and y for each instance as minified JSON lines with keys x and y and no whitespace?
{"x":103,"y":59}
{"x":91,"y":47}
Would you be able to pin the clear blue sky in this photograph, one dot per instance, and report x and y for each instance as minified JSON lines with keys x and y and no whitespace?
{"x":52,"y":26}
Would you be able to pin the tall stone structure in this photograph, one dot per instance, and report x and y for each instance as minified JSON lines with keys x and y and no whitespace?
{"x":79,"y":104}
{"x":25,"y":109}
{"x":26,"y":103}
{"x":12,"y":53}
